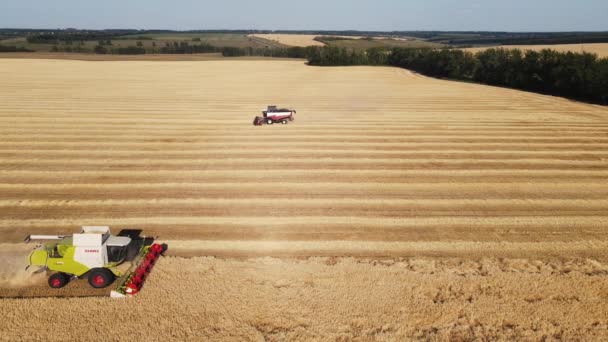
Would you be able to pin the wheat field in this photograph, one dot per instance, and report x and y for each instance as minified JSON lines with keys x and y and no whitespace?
{"x":601,"y":49}
{"x":329,"y":299}
{"x":375,"y":154}
{"x":416,"y":205}
{"x":302,"y":40}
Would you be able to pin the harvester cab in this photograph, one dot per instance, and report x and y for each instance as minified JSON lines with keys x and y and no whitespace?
{"x":93,"y":253}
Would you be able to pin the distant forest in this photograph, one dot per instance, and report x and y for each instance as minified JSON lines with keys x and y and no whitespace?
{"x":580,"y":76}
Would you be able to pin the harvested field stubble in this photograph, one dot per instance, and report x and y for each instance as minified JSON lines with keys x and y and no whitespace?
{"x":491,"y":203}
{"x":337,"y":298}
{"x":374,"y":152}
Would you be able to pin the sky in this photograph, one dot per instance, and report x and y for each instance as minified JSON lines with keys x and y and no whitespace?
{"x":378,"y":15}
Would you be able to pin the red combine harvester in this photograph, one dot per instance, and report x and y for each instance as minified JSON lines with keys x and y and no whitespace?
{"x":274,"y":115}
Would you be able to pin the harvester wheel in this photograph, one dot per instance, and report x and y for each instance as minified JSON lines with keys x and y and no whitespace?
{"x":58,"y":280}
{"x":269,"y":121}
{"x":284,"y":122}
{"x":100,"y":277}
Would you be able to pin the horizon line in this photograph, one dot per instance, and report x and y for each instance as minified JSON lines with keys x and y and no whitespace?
{"x":293,"y":30}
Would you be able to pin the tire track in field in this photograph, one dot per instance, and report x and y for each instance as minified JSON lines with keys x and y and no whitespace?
{"x":522,"y":178}
{"x":318,"y":191}
{"x":181,"y":144}
{"x":319,"y":228}
{"x":177,"y":156}
{"x":221,"y":207}
{"x":326,"y":163}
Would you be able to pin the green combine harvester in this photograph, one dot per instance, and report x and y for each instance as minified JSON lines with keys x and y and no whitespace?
{"x":96,"y":255}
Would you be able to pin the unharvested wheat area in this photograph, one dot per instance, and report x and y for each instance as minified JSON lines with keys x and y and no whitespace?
{"x":302,"y":40}
{"x":394,"y":207}
{"x":600,"y":49}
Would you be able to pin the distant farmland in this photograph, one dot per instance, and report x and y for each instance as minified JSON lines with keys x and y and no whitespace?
{"x":215,"y":39}
{"x":153,"y":41}
{"x":356,"y":42}
{"x":291,"y":39}
{"x":601,"y":49}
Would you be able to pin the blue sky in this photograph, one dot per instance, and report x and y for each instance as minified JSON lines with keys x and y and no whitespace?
{"x":488,"y":15}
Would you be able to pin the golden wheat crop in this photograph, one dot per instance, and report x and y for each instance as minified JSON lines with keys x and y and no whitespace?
{"x":501,"y":195}
{"x":376,"y":154}
{"x":302,"y":40}
{"x":601,"y":49}
{"x":334,"y":299}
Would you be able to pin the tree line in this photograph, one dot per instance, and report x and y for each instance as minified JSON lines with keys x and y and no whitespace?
{"x":291,"y":52}
{"x":580,"y":76}
{"x":334,"y":56}
{"x":12,"y":48}
{"x":187,"y":48}
{"x":56,"y":37}
{"x":523,"y":38}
